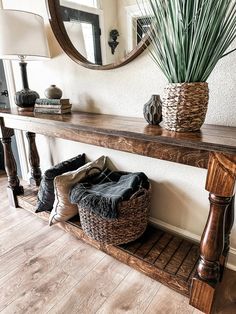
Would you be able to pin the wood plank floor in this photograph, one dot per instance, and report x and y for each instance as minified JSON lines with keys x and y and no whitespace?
{"x":45,"y":270}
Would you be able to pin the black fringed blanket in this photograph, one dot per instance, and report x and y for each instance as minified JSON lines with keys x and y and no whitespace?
{"x":102,"y":193}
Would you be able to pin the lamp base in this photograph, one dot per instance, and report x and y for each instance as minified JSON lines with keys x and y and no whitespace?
{"x":26,"y":98}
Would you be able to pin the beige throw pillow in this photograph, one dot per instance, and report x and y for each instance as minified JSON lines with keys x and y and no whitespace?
{"x":63,"y":210}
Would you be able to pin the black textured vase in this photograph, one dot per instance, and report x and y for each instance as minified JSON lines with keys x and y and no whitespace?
{"x":26,"y":98}
{"x":152,"y":110}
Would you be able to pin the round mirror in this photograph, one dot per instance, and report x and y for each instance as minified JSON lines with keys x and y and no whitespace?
{"x":99,"y":34}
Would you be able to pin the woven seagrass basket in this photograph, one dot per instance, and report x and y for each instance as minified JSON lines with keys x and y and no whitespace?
{"x":184,"y":106}
{"x":131,"y":222}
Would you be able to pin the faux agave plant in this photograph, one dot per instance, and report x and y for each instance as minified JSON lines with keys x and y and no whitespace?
{"x":190,"y":36}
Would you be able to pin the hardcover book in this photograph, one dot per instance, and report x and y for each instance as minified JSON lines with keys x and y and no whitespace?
{"x":51,"y":106}
{"x":47,"y":101}
{"x":52,"y":111}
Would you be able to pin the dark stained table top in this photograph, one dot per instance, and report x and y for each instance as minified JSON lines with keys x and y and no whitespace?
{"x":210,"y":137}
{"x":132,"y":135}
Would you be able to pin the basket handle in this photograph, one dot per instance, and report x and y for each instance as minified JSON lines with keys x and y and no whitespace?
{"x":138,"y":193}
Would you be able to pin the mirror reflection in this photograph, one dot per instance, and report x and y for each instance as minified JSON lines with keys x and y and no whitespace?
{"x":103,"y":31}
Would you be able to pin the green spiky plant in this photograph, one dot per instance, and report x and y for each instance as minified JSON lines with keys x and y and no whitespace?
{"x":190,"y":36}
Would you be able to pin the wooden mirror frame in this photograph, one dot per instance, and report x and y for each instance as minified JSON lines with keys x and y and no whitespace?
{"x":58,"y":28}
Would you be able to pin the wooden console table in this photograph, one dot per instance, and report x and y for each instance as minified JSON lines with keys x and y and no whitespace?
{"x":181,"y":264}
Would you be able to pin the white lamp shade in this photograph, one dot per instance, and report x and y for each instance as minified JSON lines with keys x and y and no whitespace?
{"x":22,"y":34}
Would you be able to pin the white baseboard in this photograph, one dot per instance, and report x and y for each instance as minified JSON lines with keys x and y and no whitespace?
{"x":231,"y":264}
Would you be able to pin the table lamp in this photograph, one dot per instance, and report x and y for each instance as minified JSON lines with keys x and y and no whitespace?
{"x":23,"y":37}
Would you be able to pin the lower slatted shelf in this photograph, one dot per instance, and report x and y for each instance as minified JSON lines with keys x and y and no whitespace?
{"x":159,"y":254}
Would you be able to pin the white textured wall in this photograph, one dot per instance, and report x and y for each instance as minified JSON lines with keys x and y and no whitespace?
{"x":110,"y":22}
{"x":179,"y":195}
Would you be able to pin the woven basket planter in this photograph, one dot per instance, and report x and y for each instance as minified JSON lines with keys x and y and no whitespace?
{"x":131,"y":222}
{"x":184,"y":106}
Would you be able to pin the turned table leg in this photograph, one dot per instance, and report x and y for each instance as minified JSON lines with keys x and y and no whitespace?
{"x":229,"y":221}
{"x":14,"y":188}
{"x":212,"y":242}
{"x":34,"y":160}
{"x":215,"y":239}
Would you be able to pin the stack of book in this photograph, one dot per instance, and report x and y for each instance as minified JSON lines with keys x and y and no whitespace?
{"x":53,"y":106}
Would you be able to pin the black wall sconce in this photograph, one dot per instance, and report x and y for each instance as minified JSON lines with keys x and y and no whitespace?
{"x":113,"y":43}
